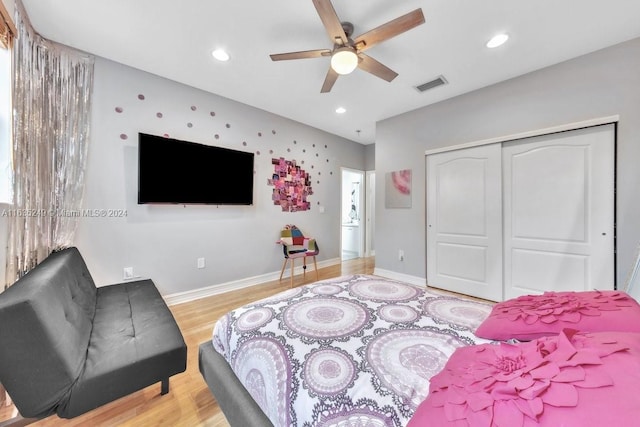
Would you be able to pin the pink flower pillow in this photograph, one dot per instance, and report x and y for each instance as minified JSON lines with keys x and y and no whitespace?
{"x":534,"y":316}
{"x":572,"y":380}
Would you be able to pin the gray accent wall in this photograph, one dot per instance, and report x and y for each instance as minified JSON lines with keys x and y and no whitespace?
{"x":370,"y":157}
{"x":163,"y":242}
{"x":601,"y":84}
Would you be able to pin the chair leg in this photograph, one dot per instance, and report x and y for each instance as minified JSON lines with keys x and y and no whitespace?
{"x":315,"y":266}
{"x":284,"y":264}
{"x":164,"y":388}
{"x":292,"y":267}
{"x":304,"y":268}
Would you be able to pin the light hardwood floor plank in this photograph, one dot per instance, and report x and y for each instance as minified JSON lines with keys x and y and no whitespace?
{"x":189,"y":402}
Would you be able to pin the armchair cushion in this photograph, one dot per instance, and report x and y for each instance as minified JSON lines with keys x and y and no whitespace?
{"x":296,"y":244}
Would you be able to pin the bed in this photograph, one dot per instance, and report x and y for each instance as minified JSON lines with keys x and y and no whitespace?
{"x":356,"y":350}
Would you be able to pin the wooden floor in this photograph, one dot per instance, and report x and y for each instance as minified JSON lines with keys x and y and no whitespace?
{"x":189,"y":402}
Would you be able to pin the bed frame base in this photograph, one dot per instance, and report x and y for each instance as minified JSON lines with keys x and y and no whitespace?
{"x":235,"y":401}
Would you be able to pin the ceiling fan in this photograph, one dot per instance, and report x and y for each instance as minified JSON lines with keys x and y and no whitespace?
{"x":347,"y":53}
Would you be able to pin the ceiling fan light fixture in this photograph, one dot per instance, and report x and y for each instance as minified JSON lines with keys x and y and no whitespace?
{"x":344,"y":60}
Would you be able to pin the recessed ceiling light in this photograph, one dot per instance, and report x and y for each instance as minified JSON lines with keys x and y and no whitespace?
{"x":341,"y":110}
{"x":220,"y":55}
{"x":497,"y":40}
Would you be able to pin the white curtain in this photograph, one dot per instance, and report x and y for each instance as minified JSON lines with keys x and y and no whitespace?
{"x":52,"y":87}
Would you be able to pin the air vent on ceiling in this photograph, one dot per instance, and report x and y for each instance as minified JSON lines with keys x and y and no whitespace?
{"x":433,"y":83}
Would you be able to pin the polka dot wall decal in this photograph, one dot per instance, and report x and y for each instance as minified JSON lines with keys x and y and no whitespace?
{"x":212,"y":114}
{"x":166,"y":135}
{"x":304,"y":150}
{"x":189,"y":125}
{"x":123,"y":136}
{"x":159,"y":115}
{"x":216,"y":136}
{"x":314,"y":145}
{"x":270,"y":151}
{"x":141,"y":97}
{"x":288,"y":150}
{"x":259,"y":133}
{"x":194,"y":108}
{"x":325,"y":145}
{"x":331,"y":173}
{"x":258,"y":152}
{"x":228,"y":125}
{"x":119,"y":110}
{"x":327,"y":160}
{"x":244,"y":143}
{"x":295,"y":142}
{"x":316,"y":154}
{"x":273,"y":132}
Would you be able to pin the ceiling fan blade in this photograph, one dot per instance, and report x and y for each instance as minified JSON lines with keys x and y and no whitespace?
{"x":374,"y":67}
{"x":389,"y":30}
{"x":331,"y":78}
{"x":331,"y":21}
{"x":300,"y":55}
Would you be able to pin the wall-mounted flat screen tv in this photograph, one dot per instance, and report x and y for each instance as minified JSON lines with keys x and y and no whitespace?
{"x":181,"y":172}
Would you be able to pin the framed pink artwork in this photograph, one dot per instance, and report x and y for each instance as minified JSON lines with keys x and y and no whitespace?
{"x":398,"y":189}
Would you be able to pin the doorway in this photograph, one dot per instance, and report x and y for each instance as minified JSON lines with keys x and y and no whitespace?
{"x":352,"y":224}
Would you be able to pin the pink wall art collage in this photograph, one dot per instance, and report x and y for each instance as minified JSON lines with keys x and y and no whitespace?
{"x":292,"y":186}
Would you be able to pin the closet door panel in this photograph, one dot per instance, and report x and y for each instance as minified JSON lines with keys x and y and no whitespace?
{"x":559,"y":212}
{"x":464,"y":236}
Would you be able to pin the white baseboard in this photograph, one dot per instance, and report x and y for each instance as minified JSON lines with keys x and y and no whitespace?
{"x":414,"y":280}
{"x":221,"y":288}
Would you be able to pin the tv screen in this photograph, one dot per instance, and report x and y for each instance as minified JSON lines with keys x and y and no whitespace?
{"x":181,"y":172}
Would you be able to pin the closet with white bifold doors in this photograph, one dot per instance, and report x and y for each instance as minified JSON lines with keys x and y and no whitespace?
{"x":523,"y":216}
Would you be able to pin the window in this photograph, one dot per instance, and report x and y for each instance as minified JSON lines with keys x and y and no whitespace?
{"x":5,"y":126}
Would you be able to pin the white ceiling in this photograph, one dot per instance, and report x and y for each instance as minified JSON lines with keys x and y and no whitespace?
{"x":174,"y":39}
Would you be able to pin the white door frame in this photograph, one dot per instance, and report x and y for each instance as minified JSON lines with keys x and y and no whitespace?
{"x":370,"y":209}
{"x":538,"y":132}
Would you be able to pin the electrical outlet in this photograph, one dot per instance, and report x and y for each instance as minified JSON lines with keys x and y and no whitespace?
{"x":127,"y":273}
{"x":201,"y":263}
{"x":400,"y":255}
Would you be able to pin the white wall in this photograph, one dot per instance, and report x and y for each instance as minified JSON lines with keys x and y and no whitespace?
{"x":600,"y":84}
{"x":163,"y":242}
